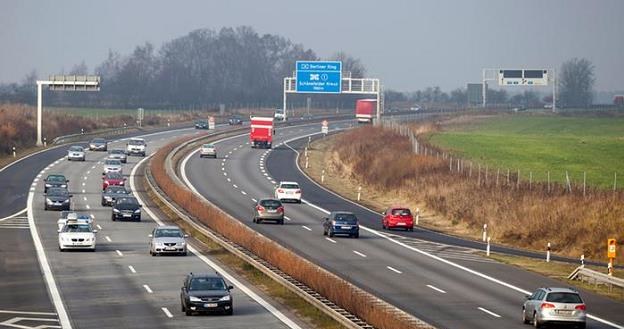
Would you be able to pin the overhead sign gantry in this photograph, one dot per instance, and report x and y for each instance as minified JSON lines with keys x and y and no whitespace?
{"x":63,"y":83}
{"x":520,"y":77}
{"x":325,"y":77}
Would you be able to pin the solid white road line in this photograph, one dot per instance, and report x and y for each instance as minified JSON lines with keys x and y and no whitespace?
{"x":307,"y":228}
{"x":131,"y":269}
{"x":28,"y":313}
{"x":166,"y":311}
{"x":147,"y":288}
{"x":119,"y":253}
{"x":330,"y":240}
{"x":247,"y":291}
{"x":45,"y":267}
{"x":394,"y":270}
{"x":436,"y":289}
{"x":359,"y":253}
{"x":489,"y":312}
{"x":108,"y":238}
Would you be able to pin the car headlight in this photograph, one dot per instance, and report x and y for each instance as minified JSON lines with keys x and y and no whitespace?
{"x":66,"y":201}
{"x":107,"y":198}
{"x":225,"y":298}
{"x":64,"y":185}
{"x":137,"y":211}
{"x":115,"y":210}
{"x":48,"y":185}
{"x":48,"y":201}
{"x":194,"y":299}
{"x":182,"y":243}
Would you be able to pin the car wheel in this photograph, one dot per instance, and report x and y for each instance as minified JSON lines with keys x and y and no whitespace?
{"x":582,"y":326}
{"x":182,"y":308}
{"x":230,"y":311}
{"x":281,"y":222}
{"x":258,"y":220}
{"x":524,"y":318}
{"x":411,"y":229}
{"x":45,"y":207}
{"x":356,"y":235}
{"x":185,"y":253}
{"x":536,"y":322}
{"x":331,"y":233}
{"x":68,"y":159}
{"x":188,"y":312}
{"x":383,"y":226}
{"x":324,"y":231}
{"x":61,"y":249}
{"x":254,"y":220}
{"x":113,"y":218}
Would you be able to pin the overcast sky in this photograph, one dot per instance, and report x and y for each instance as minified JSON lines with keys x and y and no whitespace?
{"x":408,"y":44}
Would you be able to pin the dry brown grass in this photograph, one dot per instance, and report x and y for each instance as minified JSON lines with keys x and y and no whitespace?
{"x":327,"y":284}
{"x":517,"y":215}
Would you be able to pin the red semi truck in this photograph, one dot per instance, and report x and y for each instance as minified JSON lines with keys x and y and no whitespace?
{"x":261,"y":135}
{"x":365,"y":110}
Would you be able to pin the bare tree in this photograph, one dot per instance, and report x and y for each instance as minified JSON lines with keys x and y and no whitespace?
{"x":576,"y":83}
{"x":350,"y":65}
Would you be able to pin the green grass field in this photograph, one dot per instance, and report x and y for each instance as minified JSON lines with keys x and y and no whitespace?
{"x":539,"y":144}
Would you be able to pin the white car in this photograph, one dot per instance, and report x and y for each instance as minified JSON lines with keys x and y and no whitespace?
{"x":208,"y":150}
{"x":136,"y":146}
{"x":279,"y":115}
{"x":288,"y":191}
{"x":76,"y":235}
{"x":76,"y":153}
{"x":111,"y":165}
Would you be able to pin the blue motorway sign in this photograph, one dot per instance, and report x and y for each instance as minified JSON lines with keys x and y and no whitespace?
{"x":319,"y":77}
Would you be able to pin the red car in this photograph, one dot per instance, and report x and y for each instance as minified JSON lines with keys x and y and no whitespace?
{"x":398,"y":217}
{"x":113,"y":178}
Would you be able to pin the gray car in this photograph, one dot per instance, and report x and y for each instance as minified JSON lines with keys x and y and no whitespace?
{"x":268,"y":209}
{"x":118,"y":154}
{"x":57,"y":198}
{"x":554,"y":305}
{"x":98,"y":144}
{"x":76,"y":152}
{"x":167,"y":240}
{"x":112,"y":193}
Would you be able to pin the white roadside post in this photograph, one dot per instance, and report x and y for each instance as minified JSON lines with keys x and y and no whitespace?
{"x":487,"y":248}
{"x":417,"y":215}
{"x":359,"y":194}
{"x":484,"y":232}
{"x":323,"y":176}
{"x":583,"y":260}
{"x":45,"y":142}
{"x":307,"y":162}
{"x":14,"y":153}
{"x":548,"y":253}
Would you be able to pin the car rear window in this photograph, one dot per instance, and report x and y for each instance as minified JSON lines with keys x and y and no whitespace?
{"x":270,"y":203}
{"x":401,"y":212}
{"x":564,"y":297}
{"x":207,"y":284}
{"x":346,"y":218}
{"x":290,"y":186}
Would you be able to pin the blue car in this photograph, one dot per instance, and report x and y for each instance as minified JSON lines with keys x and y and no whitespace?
{"x":342,"y":223}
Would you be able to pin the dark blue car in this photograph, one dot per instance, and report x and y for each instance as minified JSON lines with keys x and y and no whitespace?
{"x":343,"y":223}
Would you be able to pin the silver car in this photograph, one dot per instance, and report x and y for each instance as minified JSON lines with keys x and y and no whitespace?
{"x":111,"y":166}
{"x":268,"y":209}
{"x":167,"y":240}
{"x":554,"y":305}
{"x":76,"y":153}
{"x":208,"y":150}
{"x":118,"y":154}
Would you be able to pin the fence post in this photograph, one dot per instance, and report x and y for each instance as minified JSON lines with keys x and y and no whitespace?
{"x":323,"y":176}
{"x":470,"y":172}
{"x":417,"y":216}
{"x":548,"y":175}
{"x":487,"y":249}
{"x":583,"y":260}
{"x":14,"y":153}
{"x":307,"y":162}
{"x":508,"y":176}
{"x":497,"y":173}
{"x":479,"y":176}
{"x":359,"y":194}
{"x":518,"y":180}
{"x":45,"y":142}
{"x":568,"y":182}
{"x":614,"y":181}
{"x":584,"y":179}
{"x":484,"y":232}
{"x":530,"y":180}
{"x":548,"y":253}
{"x":486,"y":175}
{"x":451,"y":166}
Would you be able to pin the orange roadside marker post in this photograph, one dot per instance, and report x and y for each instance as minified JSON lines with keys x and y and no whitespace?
{"x":611,"y":253}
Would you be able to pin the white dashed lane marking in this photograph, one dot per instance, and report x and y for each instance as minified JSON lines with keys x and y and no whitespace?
{"x":436,"y":289}
{"x":394,"y":269}
{"x":108,"y":238}
{"x":359,"y":253}
{"x":131,"y":269}
{"x":307,"y":228}
{"x":330,"y":240}
{"x":166,"y":311}
{"x":119,"y":253}
{"x":489,"y":312}
{"x":147,"y":288}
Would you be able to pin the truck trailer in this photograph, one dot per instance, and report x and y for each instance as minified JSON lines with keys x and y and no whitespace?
{"x":365,"y":110}
{"x":261,"y":135}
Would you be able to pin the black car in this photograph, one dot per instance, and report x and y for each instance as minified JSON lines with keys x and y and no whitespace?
{"x":57,"y":198}
{"x":201,"y":124}
{"x":112,"y":193}
{"x":126,"y":208}
{"x":235,"y":121}
{"x":206,"y":293}
{"x":55,"y":180}
{"x":98,"y":144}
{"x":341,"y":222}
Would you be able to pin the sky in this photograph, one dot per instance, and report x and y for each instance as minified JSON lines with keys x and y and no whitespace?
{"x":409,"y":45}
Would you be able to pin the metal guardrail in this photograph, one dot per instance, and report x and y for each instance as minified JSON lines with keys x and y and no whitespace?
{"x":79,"y":137}
{"x":591,"y":276}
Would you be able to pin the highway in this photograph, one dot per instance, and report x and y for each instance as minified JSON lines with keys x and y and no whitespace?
{"x":448,"y":286}
{"x":119,"y":285}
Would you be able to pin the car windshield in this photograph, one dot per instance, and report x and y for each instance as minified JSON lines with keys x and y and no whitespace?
{"x":112,"y":163}
{"x":77,"y":228}
{"x":76,"y":149}
{"x":401,"y":212}
{"x":116,"y":190}
{"x":57,"y":192}
{"x":98,"y":141}
{"x":127,"y":201}
{"x":346,"y":218}
{"x":117,"y":152}
{"x":136,"y":142}
{"x":270,"y":203}
{"x":290,"y":186}
{"x":56,"y":178}
{"x":564,"y":297}
{"x":208,"y":146}
{"x":168,"y":233}
{"x":207,"y":284}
